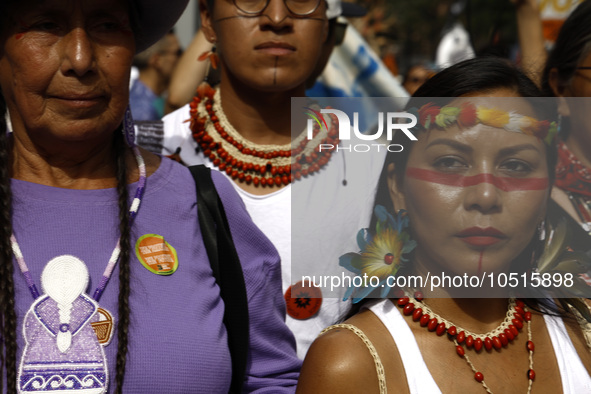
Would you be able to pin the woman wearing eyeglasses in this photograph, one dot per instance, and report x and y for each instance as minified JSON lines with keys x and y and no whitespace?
{"x":266,"y":51}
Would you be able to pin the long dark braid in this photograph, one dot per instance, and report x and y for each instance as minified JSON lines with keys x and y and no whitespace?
{"x":7,"y":310}
{"x":124,"y":231}
{"x":8,"y":314}
{"x":8,"y":322}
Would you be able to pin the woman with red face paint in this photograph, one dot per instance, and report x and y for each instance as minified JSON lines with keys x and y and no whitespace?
{"x":467,"y":201}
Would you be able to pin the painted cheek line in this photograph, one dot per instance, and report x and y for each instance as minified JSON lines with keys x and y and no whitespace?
{"x":480,"y":262}
{"x":506,"y":184}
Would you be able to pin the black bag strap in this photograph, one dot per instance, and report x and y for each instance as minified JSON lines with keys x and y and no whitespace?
{"x":227,"y":270}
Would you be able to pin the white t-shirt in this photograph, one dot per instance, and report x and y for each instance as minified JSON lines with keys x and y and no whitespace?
{"x":574,"y":376}
{"x":324,"y":213}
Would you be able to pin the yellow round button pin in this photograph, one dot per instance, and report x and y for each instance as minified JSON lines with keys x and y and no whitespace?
{"x":157,"y":255}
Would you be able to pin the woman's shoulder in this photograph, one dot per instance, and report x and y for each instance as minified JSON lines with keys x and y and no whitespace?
{"x":166,"y":175}
{"x":352,"y":357}
{"x":258,"y":256}
{"x":340,"y":361}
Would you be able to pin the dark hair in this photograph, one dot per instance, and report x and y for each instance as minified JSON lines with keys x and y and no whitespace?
{"x":124,"y":257}
{"x":479,"y":75}
{"x":8,"y":314}
{"x":8,"y":323}
{"x":571,"y":46}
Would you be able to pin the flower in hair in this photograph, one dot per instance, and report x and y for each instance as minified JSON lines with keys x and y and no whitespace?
{"x":447,"y":116}
{"x":493,"y":117}
{"x":468,"y":115}
{"x":427,"y":114}
{"x":382,"y":254}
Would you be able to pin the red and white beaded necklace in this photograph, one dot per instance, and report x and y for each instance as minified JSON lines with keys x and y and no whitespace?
{"x":245,"y":161}
{"x":501,"y":336}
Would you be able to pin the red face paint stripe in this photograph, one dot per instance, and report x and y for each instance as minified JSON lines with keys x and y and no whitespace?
{"x":506,"y":184}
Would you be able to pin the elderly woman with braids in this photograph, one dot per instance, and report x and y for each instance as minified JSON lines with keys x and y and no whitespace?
{"x":466,"y":200}
{"x":105,"y":284}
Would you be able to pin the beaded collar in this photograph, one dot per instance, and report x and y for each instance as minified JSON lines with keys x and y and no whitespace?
{"x":133,"y":209}
{"x":245,"y":161}
{"x":500,"y":337}
{"x":64,"y":329}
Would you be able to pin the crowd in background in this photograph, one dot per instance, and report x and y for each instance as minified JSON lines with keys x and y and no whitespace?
{"x":395,"y":35}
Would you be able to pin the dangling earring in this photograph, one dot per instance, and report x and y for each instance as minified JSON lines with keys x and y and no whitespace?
{"x":128,"y":128}
{"x":212,"y":56}
{"x":559,"y":124}
{"x":205,"y":89}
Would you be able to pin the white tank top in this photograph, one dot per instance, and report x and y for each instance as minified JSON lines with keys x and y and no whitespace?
{"x":575,"y":379}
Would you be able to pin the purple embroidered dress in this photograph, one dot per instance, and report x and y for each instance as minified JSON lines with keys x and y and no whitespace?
{"x":45,"y":369}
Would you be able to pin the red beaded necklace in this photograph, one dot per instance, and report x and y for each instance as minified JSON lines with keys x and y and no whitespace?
{"x":244,"y":161}
{"x":498,"y":338}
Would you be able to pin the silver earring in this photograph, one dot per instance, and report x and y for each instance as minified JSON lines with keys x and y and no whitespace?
{"x":542,"y":230}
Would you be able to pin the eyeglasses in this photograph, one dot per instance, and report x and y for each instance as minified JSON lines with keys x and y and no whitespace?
{"x":296,"y":7}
